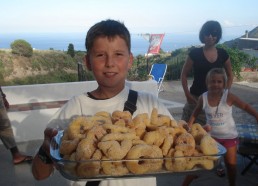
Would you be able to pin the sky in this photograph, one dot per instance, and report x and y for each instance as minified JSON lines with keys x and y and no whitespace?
{"x":140,"y":16}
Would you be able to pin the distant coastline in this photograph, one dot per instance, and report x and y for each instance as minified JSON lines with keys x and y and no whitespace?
{"x":60,"y":41}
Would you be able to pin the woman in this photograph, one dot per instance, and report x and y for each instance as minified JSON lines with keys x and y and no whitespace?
{"x":201,"y":61}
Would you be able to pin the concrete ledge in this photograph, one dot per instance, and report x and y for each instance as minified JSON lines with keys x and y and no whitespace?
{"x":31,"y":106}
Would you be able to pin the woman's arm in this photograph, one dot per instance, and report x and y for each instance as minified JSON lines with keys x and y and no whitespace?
{"x":185,"y":71}
{"x":228,"y":69}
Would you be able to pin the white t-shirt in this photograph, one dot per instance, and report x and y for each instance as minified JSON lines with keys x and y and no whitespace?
{"x":83,"y":105}
{"x":222,"y":122}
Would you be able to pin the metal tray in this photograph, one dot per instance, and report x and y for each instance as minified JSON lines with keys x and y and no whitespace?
{"x":69,"y":169}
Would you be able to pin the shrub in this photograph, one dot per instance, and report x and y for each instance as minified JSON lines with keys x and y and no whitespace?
{"x":22,"y":48}
{"x":70,"y":50}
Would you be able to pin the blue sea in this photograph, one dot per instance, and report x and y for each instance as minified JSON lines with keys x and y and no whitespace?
{"x":60,"y":41}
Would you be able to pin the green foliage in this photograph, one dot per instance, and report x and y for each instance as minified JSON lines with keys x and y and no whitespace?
{"x":52,"y":77}
{"x":1,"y":72}
{"x":22,"y":48}
{"x":138,"y":70}
{"x":239,"y":59}
{"x":70,"y":50}
{"x":51,"y":66}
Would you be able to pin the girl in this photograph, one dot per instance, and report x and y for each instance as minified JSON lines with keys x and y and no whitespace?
{"x":217,"y":103}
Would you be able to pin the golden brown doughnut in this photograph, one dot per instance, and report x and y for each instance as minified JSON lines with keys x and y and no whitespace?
{"x":100,"y":120}
{"x":168,"y":142}
{"x":198,"y":132}
{"x":125,"y":115}
{"x":70,"y":167}
{"x":185,"y":138}
{"x":88,"y":169}
{"x":78,"y":127}
{"x":185,"y":143}
{"x":120,"y":122}
{"x":179,"y":161}
{"x":114,"y":168}
{"x":103,"y":114}
{"x":175,"y":161}
{"x":137,"y":142}
{"x":110,"y":128}
{"x":154,"y":138}
{"x":173,"y":123}
{"x":199,"y":162}
{"x":113,"y":150}
{"x":96,"y":132}
{"x":157,"y":120}
{"x":119,"y":136}
{"x":177,"y":131}
{"x":67,"y":147}
{"x":142,"y":151}
{"x":208,"y":145}
{"x":187,"y":149}
{"x":85,"y":149}
{"x":169,"y":159}
{"x":139,"y":123}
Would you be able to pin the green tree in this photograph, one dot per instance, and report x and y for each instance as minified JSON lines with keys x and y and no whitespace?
{"x":22,"y":48}
{"x":70,"y":50}
{"x":239,"y":59}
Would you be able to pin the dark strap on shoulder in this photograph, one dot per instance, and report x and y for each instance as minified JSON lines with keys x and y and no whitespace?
{"x":130,"y":104}
{"x":92,"y":183}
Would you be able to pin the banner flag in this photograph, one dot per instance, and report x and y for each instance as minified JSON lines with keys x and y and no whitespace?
{"x":155,"y":43}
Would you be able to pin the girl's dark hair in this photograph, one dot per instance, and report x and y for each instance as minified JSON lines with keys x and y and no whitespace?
{"x":220,"y":71}
{"x":107,"y":28}
{"x":210,"y":27}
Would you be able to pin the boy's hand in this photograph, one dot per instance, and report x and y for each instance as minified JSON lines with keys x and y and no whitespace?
{"x":49,"y":133}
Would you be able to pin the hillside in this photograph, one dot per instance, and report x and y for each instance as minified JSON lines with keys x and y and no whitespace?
{"x":50,"y":65}
{"x":251,"y":34}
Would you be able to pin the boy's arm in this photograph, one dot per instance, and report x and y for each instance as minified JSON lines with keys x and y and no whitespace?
{"x":196,"y":112}
{"x":43,"y":169}
{"x":242,"y":105}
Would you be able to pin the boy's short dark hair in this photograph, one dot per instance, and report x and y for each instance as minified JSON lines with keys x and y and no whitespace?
{"x":107,"y":28}
{"x":210,"y":27}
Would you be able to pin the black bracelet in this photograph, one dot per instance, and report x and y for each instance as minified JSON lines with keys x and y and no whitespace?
{"x":44,"y":157}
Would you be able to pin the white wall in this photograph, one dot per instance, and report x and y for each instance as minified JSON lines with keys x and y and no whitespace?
{"x":29,"y":125}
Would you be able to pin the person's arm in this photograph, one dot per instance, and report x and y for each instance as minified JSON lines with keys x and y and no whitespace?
{"x":185,"y":71}
{"x":234,"y":100}
{"x":42,"y":169}
{"x":196,"y":112}
{"x":228,"y":69}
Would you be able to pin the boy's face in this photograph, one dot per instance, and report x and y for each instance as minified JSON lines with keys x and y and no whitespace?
{"x":109,"y":60}
{"x":216,"y":83}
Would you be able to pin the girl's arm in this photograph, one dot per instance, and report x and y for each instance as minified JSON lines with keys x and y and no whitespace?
{"x":196,"y":111}
{"x":234,"y":100}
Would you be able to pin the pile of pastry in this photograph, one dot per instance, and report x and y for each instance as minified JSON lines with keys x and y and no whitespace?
{"x":118,"y":144}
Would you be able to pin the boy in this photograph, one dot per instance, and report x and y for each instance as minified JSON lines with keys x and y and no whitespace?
{"x":109,"y":57}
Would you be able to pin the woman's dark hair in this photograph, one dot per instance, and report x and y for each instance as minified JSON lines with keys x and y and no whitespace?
{"x":108,"y":28}
{"x":210,"y":27}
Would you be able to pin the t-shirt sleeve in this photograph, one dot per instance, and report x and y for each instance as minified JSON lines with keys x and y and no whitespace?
{"x":65,"y":114}
{"x":224,"y":55}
